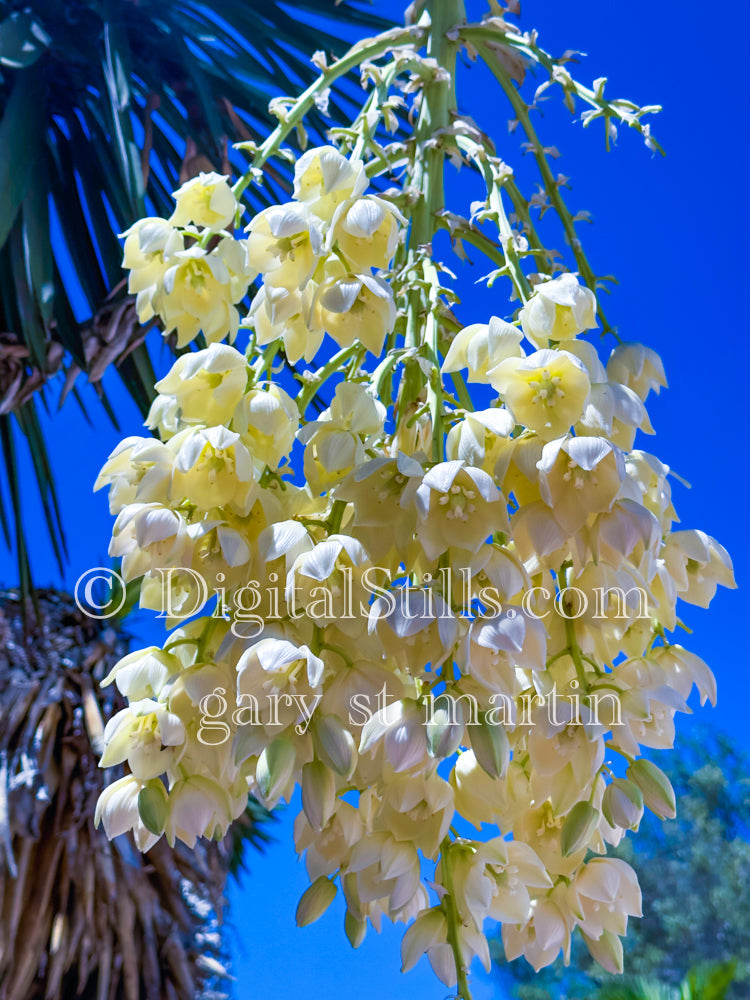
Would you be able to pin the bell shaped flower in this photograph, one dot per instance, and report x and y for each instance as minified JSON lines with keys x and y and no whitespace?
{"x":205,"y":387}
{"x":323,"y":179}
{"x":546,"y":391}
{"x":206,"y":201}
{"x":558,"y":310}
{"x":481,"y":347}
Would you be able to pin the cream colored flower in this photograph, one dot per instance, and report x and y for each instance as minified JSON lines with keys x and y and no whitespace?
{"x":212,"y":467}
{"x":138,"y":470}
{"x":579,"y":476}
{"x":698,"y":564}
{"x":353,"y":307}
{"x":546,"y":391}
{"x":149,"y":246}
{"x":145,"y":734}
{"x":366,"y":232}
{"x":483,"y":346}
{"x":335,"y":443}
{"x":459,"y":507}
{"x":197,"y":297}
{"x":267,"y":419}
{"x":558,"y":310}
{"x":147,"y":536}
{"x":637,"y":367}
{"x":203,"y":387}
{"x":323,"y":179}
{"x":277,"y":313}
{"x":207,"y":201}
{"x":285,"y":243}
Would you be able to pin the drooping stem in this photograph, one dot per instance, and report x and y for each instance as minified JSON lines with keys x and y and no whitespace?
{"x":453,"y":921}
{"x":550,"y":183}
{"x":357,"y":54}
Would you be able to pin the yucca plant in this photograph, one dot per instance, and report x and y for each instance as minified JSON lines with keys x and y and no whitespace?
{"x":105,"y":107}
{"x":80,"y":916}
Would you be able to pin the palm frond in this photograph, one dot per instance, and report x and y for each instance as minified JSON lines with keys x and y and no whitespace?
{"x":104,"y":109}
{"x":80,"y":916}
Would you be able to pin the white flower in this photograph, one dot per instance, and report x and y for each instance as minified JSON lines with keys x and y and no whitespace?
{"x":336,"y":441}
{"x":546,"y":391}
{"x":200,"y":807}
{"x":637,"y":367}
{"x":117,"y":811}
{"x":145,"y":734}
{"x":149,"y":245}
{"x":353,"y":307}
{"x":142,"y":673}
{"x":138,"y":470}
{"x":698,"y":564}
{"x":579,"y":476}
{"x":323,"y":179}
{"x":366,"y":232}
{"x":205,"y":387}
{"x":558,"y":310}
{"x":197,"y":295}
{"x":483,"y":346}
{"x":206,"y":200}
{"x":285,"y":244}
{"x":212,"y":467}
{"x":459,"y":507}
{"x":277,"y":312}
{"x":267,"y":418}
{"x":147,"y":536}
{"x":400,"y":728}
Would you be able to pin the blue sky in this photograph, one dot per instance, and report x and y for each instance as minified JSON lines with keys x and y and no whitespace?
{"x":673,"y":230}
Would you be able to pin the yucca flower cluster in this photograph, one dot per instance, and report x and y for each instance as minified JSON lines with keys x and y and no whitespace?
{"x":459,"y":616}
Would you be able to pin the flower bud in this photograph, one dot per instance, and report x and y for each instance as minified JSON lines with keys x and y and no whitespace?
{"x":658,"y":794}
{"x":334,"y":744}
{"x":445,"y":727}
{"x":318,"y":793}
{"x":606,"y":950}
{"x":315,"y":901}
{"x":355,"y":929}
{"x":622,"y":804}
{"x":275,"y":768}
{"x":491,"y":747}
{"x":579,"y":825}
{"x":152,"y":806}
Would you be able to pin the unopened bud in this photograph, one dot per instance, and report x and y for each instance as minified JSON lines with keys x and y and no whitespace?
{"x":153,"y":806}
{"x":315,"y":901}
{"x":445,"y":727}
{"x":318,"y":793}
{"x":275,"y":768}
{"x":607,"y":951}
{"x":334,"y":744}
{"x":658,"y":794}
{"x":578,"y":828}
{"x":622,"y":804}
{"x":355,"y":929}
{"x":491,"y":747}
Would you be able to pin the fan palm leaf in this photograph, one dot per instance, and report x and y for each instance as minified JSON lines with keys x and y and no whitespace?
{"x":105,"y":107}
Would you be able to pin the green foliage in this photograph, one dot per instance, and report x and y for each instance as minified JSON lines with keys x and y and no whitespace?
{"x":104,"y":109}
{"x":695,"y":875}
